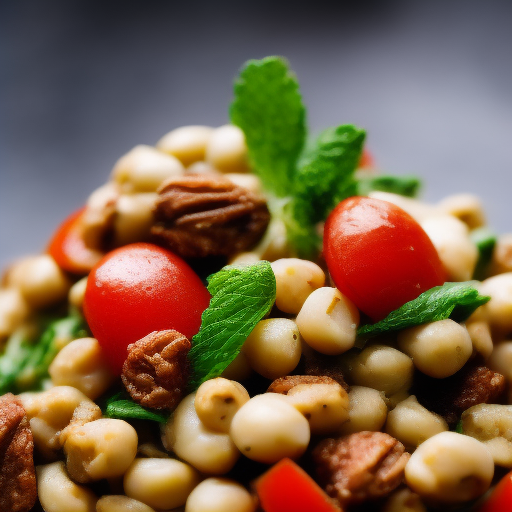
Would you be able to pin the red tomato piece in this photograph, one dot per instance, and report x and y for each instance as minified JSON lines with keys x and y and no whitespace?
{"x":378,"y":255}
{"x":137,"y":289}
{"x":286,"y":487}
{"x":68,"y":249}
{"x":367,"y":160}
{"x":500,"y":499}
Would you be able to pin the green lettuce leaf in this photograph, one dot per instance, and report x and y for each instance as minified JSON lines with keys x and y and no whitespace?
{"x":241,"y":297}
{"x":485,"y":241}
{"x":268,"y":108}
{"x":451,"y":300}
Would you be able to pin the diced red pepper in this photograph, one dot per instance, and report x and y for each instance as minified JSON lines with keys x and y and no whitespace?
{"x":500,"y":499}
{"x":286,"y":487}
{"x":68,"y":248}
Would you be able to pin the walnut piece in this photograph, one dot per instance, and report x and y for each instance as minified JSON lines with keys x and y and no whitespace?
{"x":18,"y":490}
{"x":207,"y":215}
{"x":156,"y":370}
{"x":283,"y":385}
{"x":361,"y":466}
{"x":450,"y":397}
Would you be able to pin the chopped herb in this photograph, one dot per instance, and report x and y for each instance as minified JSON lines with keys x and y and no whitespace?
{"x":26,"y":359}
{"x":268,"y":108}
{"x":241,"y":297}
{"x":451,"y":300}
{"x":485,"y":241}
{"x":121,"y":407}
{"x":408,"y":186}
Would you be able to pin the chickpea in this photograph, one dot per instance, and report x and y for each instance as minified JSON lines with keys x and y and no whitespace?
{"x":404,"y":500}
{"x":81,"y":364}
{"x":144,"y":168}
{"x":295,"y":280}
{"x":40,"y":281}
{"x":480,"y":335}
{"x":416,"y":209}
{"x":220,"y":495}
{"x":119,"y":503}
{"x":457,"y":252}
{"x":187,"y":143}
{"x":249,"y":181}
{"x":501,"y":359}
{"x":226,"y":149}
{"x":134,"y":217}
{"x":411,"y":423}
{"x":103,"y":448}
{"x":328,"y":321}
{"x":502,"y":255}
{"x":58,"y":493}
{"x":325,"y":406}
{"x":438,"y":349}
{"x":13,"y":310}
{"x":208,"y":451}
{"x":49,"y":412}
{"x":367,"y":410}
{"x":217,"y":401}
{"x":77,"y":293}
{"x":498,"y":310}
{"x":492,"y":425}
{"x":466,"y":207}
{"x":273,"y":348}
{"x":380,"y":367}
{"x":268,"y":428}
{"x":239,"y":369}
{"x":450,"y":468}
{"x":160,"y":483}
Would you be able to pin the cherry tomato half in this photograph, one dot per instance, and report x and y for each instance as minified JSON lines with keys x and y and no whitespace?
{"x":68,"y":249}
{"x":137,"y":289}
{"x":378,"y":255}
{"x":500,"y":499}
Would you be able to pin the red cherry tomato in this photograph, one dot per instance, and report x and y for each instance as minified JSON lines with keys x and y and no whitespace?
{"x":137,"y":289}
{"x":286,"y":487}
{"x":500,"y":499}
{"x":367,"y":160}
{"x":378,"y":255}
{"x":68,"y":249}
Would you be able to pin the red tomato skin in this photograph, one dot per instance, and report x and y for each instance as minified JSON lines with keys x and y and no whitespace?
{"x":500,"y":499}
{"x":68,"y":248}
{"x":286,"y":487}
{"x":378,"y":255}
{"x":137,"y":289}
{"x":367,"y":161}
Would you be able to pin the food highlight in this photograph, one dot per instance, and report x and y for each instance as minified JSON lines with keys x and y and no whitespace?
{"x":247,"y":319}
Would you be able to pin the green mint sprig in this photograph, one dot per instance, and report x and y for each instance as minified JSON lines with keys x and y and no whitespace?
{"x":485,"y":241}
{"x":451,"y":300}
{"x":268,"y":108}
{"x":121,"y":406}
{"x":407,"y":186}
{"x":241,"y":297}
{"x":325,"y":178}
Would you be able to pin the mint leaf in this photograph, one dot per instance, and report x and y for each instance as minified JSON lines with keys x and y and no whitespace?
{"x":451,"y":300}
{"x":485,"y":241}
{"x":268,"y":108}
{"x":125,"y":409}
{"x":241,"y":297}
{"x":325,"y":178}
{"x":404,"y":185}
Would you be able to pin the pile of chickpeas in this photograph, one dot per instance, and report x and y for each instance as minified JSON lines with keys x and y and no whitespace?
{"x":184,"y":465}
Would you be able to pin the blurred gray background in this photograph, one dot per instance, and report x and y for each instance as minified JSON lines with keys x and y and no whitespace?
{"x":82,"y":82}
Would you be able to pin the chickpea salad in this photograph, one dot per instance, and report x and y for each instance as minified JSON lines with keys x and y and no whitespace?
{"x":247,"y":319}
